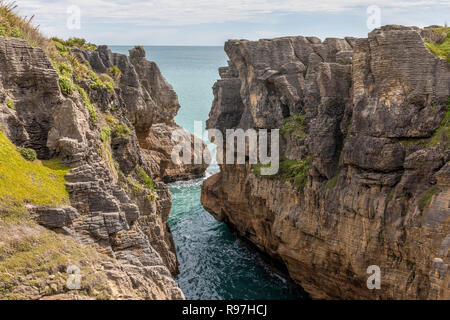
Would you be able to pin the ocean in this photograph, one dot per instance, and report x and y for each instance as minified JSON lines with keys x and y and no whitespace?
{"x":214,"y":264}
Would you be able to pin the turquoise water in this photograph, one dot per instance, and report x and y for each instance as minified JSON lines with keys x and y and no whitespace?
{"x":214,"y":264}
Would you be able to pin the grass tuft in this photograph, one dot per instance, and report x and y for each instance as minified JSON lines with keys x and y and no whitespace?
{"x":76,"y":42}
{"x":34,"y":261}
{"x":67,"y":86}
{"x":295,"y":126}
{"x":118,"y":129}
{"x":105,"y":134}
{"x":27,"y":153}
{"x":10,"y":104}
{"x":87,"y":102}
{"x":144,"y":179}
{"x":115,"y":72}
{"x":290,"y":170}
{"x":333,"y":182}
{"x":425,"y":198}
{"x":12,"y":25}
{"x":440,"y":48}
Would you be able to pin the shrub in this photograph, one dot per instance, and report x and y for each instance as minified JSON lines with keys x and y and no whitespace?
{"x":10,"y":104}
{"x":65,"y":69}
{"x":11,"y":25}
{"x":76,"y":42}
{"x":425,"y":198}
{"x":27,"y":153}
{"x":17,"y":33}
{"x":295,"y":126}
{"x":111,"y":120}
{"x":87,"y":102}
{"x":102,"y":82}
{"x":441,"y":47}
{"x":144,"y":179}
{"x":105,"y":134}
{"x":118,"y":129}
{"x":442,"y":134}
{"x":66,"y":85}
{"x":61,"y":48}
{"x":333,"y":182}
{"x":295,"y":171}
{"x":115,"y":72}
{"x":121,"y":130}
{"x":290,"y":170}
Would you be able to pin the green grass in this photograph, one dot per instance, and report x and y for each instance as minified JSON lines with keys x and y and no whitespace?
{"x":25,"y":182}
{"x":442,"y":49}
{"x":27,"y":153}
{"x":67,"y":86}
{"x":10,"y":104}
{"x":105,"y":134}
{"x":76,"y":42}
{"x":115,"y":72}
{"x":32,"y":257}
{"x":442,"y":134}
{"x":70,"y":70}
{"x":121,"y":131}
{"x":101,"y":82}
{"x":144,"y":179}
{"x":118,"y":129}
{"x":87,"y":102}
{"x":65,"y":69}
{"x":427,"y":196}
{"x":295,"y":126}
{"x":12,"y":25}
{"x":290,"y":170}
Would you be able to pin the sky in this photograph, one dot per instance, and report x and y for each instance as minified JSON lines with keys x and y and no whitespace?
{"x":212,"y":22}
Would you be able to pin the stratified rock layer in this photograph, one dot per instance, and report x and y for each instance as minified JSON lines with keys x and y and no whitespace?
{"x":372,"y":120}
{"x":109,"y":210}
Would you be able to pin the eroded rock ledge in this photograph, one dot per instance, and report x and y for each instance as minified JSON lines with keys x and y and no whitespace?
{"x":112,"y":210}
{"x":368,"y":121}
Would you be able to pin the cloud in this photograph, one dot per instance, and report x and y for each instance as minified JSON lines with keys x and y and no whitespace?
{"x":163,"y":13}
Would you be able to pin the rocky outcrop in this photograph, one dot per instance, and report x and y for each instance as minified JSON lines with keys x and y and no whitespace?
{"x":151,"y":105}
{"x":115,"y":208}
{"x":367,"y":120}
{"x":157,"y":154}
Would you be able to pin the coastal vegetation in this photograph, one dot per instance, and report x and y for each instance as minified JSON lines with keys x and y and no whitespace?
{"x":290,"y":170}
{"x":440,"y":46}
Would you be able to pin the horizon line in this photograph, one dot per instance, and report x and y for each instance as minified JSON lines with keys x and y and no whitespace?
{"x":162,"y":45}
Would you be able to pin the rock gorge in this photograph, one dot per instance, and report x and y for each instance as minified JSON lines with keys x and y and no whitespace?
{"x":108,"y":118}
{"x":364,"y":174}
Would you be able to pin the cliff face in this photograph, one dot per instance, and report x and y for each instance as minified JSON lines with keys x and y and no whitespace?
{"x":364,"y":173}
{"x":117,"y":215}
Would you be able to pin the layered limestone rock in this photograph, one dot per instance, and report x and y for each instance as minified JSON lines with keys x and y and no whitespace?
{"x":115,"y":209}
{"x":151,"y":105}
{"x":365,"y":161}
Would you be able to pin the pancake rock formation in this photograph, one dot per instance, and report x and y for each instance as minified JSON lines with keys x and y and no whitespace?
{"x":103,"y":116}
{"x":364,"y":171}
